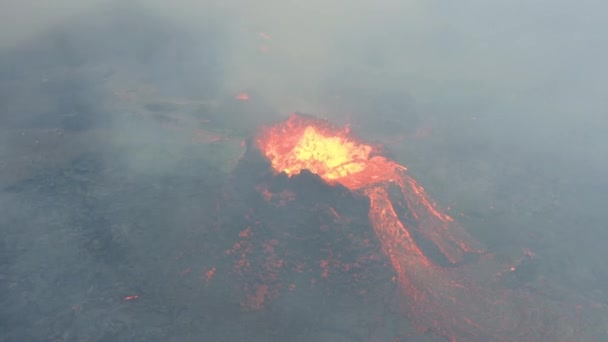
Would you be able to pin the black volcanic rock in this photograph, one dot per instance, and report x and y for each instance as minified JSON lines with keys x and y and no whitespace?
{"x":320,"y":235}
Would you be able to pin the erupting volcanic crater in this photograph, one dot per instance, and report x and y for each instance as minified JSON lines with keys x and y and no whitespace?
{"x":319,"y":207}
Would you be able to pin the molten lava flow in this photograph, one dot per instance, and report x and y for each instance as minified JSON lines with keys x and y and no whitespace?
{"x":301,"y":143}
{"x":444,"y":299}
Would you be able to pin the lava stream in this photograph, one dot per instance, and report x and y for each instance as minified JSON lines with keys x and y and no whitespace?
{"x":303,"y":143}
{"x":459,"y":302}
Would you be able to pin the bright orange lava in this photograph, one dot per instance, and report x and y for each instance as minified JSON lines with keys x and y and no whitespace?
{"x":458,"y":302}
{"x":302,"y":143}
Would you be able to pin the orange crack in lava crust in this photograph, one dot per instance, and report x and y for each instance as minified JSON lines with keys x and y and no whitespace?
{"x":456,"y":301}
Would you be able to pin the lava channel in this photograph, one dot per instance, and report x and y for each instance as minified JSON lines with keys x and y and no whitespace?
{"x":461,"y":300}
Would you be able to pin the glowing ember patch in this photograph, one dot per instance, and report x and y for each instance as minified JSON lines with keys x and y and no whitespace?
{"x":209,"y":274}
{"x":242,"y":97}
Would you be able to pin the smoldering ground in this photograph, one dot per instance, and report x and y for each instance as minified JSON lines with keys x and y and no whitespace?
{"x":119,"y":124}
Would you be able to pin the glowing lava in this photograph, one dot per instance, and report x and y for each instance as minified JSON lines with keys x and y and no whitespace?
{"x":460,"y":302}
{"x":302,"y":143}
